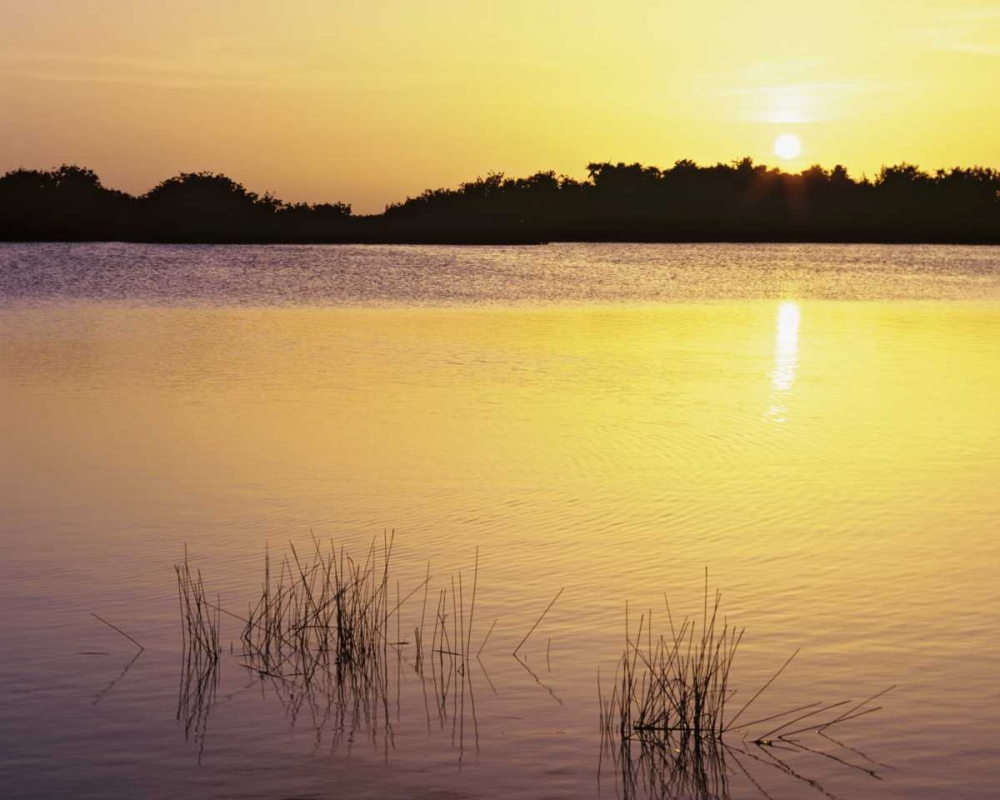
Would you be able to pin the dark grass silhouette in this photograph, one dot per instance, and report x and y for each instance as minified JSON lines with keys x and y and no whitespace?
{"x":324,"y":637}
{"x":665,"y":721}
{"x":739,"y":201}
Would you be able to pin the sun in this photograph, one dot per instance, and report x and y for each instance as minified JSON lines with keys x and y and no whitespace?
{"x":787,"y":146}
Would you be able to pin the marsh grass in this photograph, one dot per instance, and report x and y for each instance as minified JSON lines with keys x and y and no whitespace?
{"x":325,"y":634}
{"x":200,"y":651}
{"x":665,"y":720}
{"x":325,"y":613}
{"x":200,"y":620}
{"x":676,"y":686}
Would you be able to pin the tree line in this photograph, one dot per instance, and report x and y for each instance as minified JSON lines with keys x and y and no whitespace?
{"x":738,"y":201}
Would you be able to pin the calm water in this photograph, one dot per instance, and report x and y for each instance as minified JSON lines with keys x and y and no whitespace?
{"x":818,"y":426}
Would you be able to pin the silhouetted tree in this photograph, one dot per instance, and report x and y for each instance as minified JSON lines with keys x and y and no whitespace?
{"x":735,"y":201}
{"x":66,"y":203}
{"x":205,"y":206}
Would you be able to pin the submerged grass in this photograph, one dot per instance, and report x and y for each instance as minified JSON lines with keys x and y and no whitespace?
{"x":320,"y":633}
{"x":199,"y":618}
{"x":329,"y":612}
{"x":666,"y":721}
{"x":676,"y":686}
{"x":200,"y":651}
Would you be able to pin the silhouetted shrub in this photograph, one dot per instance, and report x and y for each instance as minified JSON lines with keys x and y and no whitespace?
{"x":739,"y":201}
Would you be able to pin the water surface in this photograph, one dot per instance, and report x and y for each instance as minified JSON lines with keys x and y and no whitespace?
{"x":816,"y":425}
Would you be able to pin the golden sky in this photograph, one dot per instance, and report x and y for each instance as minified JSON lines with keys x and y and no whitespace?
{"x":368,"y":101}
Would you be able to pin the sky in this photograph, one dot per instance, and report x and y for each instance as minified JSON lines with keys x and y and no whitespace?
{"x":371,"y":101}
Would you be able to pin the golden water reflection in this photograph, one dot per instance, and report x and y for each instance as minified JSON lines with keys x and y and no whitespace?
{"x":615,"y":452}
{"x":786,"y":359}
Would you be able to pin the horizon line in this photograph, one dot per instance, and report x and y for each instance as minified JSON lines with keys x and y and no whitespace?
{"x":762,"y":167}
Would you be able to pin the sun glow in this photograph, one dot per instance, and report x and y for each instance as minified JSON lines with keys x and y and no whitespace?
{"x":435,"y":92}
{"x":787,"y":146}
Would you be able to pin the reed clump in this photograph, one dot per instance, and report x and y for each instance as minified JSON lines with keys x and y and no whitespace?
{"x":200,"y":651}
{"x":325,"y":632}
{"x":327,"y":612}
{"x":676,"y":686}
{"x":666,"y":722}
{"x":200,"y":619}
{"x":675,"y":689}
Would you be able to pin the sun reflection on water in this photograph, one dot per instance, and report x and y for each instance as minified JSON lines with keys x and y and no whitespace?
{"x":786,"y":358}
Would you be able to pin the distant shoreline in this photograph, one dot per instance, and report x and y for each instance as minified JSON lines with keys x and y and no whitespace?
{"x":487,"y":242}
{"x":740,"y":202}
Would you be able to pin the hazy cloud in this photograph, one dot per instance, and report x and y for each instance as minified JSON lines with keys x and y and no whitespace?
{"x":972,"y":31}
{"x":209,"y":63}
{"x":778,"y":92}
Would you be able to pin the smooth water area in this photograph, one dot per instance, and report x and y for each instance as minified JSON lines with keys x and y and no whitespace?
{"x":817,"y":426}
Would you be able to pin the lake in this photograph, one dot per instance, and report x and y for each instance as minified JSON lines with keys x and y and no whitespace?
{"x":817,"y":426}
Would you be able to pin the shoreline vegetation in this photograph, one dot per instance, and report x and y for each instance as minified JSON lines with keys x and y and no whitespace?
{"x":736,"y":202}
